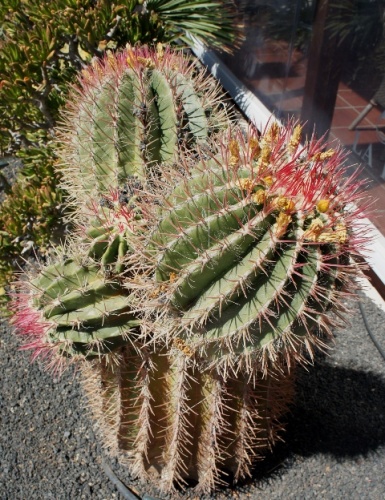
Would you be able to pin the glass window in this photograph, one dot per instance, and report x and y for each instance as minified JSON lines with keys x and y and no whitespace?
{"x":323,"y":62}
{"x":272,"y":60}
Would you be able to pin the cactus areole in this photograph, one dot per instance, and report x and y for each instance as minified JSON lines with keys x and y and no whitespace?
{"x":202,"y":272}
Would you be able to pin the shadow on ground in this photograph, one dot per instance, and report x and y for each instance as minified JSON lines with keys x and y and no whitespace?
{"x":338,"y":411}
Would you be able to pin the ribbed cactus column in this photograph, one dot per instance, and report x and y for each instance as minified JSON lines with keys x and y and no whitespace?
{"x":130,"y":115}
{"x":251,"y":252}
{"x":176,"y":424}
{"x":71,"y":309}
{"x":238,"y":270}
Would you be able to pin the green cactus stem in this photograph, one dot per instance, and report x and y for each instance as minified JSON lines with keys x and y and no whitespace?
{"x":71,"y":309}
{"x":251,"y":251}
{"x":131,"y":113}
{"x":180,"y":424}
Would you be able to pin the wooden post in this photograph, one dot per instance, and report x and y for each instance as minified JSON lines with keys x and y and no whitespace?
{"x":323,"y":72}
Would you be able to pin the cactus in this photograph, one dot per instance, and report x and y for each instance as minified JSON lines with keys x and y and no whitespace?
{"x":71,"y":309}
{"x":41,"y":51}
{"x":142,"y":97}
{"x":251,"y":251}
{"x":131,"y":114}
{"x":201,"y":274}
{"x":239,"y":268}
{"x":76,"y":306}
{"x":176,"y":424}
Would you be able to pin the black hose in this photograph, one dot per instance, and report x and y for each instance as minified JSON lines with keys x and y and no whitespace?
{"x":373,"y":338}
{"x":123,"y":490}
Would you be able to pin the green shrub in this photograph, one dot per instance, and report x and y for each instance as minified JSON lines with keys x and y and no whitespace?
{"x":31,"y":216}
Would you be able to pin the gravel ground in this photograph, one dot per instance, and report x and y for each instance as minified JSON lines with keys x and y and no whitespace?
{"x":334,"y":445}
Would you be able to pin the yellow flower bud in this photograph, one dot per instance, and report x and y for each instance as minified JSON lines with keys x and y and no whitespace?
{"x":323,"y":206}
{"x":268,"y":180}
{"x":265,"y":155}
{"x":341,"y":232}
{"x":259,"y":197}
{"x":181,"y":345}
{"x":326,"y":155}
{"x":246,"y":184}
{"x":273,"y":132}
{"x":338,"y":235}
{"x":173,"y":277}
{"x":111,"y":60}
{"x":234,"y":152}
{"x":159,"y":51}
{"x":314,"y":230}
{"x":130,"y":56}
{"x":147,"y":62}
{"x":283,"y":220}
{"x":322,"y":156}
{"x":254,"y":146}
{"x":284,"y":204}
{"x":295,"y":138}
